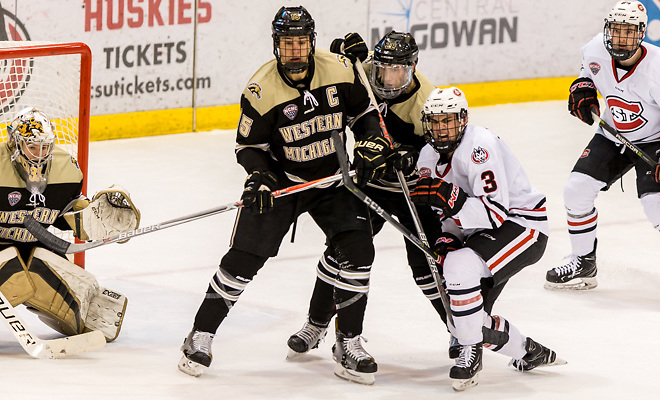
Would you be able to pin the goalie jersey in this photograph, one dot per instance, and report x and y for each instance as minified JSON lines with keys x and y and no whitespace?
{"x":631,"y":96}
{"x":64,"y":186}
{"x":496,"y":184}
{"x":285,"y":127}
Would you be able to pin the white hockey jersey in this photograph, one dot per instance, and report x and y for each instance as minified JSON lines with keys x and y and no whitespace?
{"x":496,"y":184}
{"x":631,"y":97}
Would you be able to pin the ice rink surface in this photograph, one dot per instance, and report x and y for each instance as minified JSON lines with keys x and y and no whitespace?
{"x":607,"y":335}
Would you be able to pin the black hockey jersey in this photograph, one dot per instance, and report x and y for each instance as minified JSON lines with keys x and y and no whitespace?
{"x":285,"y":126}
{"x":64,"y":186}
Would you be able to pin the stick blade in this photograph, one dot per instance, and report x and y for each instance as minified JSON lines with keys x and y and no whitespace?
{"x":41,"y":233}
{"x":72,"y":345}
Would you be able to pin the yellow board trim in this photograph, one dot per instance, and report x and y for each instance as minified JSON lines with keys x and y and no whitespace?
{"x":180,"y":120}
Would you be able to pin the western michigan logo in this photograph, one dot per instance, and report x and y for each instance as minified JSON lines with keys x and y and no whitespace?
{"x":255,"y":89}
{"x":14,"y":75}
{"x":295,"y":17}
{"x":389,"y":46}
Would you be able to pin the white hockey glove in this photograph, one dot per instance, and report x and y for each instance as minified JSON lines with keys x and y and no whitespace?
{"x":110,"y":213}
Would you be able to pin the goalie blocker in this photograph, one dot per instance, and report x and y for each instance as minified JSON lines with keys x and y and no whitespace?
{"x":66,"y":297}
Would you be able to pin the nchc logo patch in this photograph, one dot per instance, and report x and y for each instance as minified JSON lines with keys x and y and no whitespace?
{"x":290,"y":111}
{"x":14,"y":75}
{"x":14,"y":198}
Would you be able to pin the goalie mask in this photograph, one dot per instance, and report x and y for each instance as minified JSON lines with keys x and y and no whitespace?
{"x":393,"y":64}
{"x":293,"y":38}
{"x":31,"y":140}
{"x":444,"y":119}
{"x":625,"y":27}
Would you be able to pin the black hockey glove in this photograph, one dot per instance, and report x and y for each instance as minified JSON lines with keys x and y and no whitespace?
{"x":440,"y":194}
{"x":402,"y":158}
{"x":583,"y":96}
{"x":352,"y":46}
{"x":446,"y":243}
{"x":257,"y":196}
{"x":370,"y":157}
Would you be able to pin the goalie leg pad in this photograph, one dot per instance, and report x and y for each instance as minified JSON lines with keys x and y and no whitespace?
{"x":63,"y":291}
{"x":110,"y":213}
{"x":106,"y":313}
{"x":15,"y":282}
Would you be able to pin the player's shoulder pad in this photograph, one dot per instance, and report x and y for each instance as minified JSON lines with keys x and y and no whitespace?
{"x":478,"y":145}
{"x":266,"y":89}
{"x":64,"y":168}
{"x":331,"y":68}
{"x":595,"y":48}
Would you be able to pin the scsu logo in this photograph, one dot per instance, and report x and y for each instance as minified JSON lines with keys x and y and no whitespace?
{"x":13,"y":72}
{"x":627,"y":115}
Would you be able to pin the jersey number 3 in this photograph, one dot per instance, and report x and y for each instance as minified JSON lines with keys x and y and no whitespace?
{"x":489,"y":179}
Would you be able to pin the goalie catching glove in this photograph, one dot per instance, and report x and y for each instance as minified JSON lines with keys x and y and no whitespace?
{"x":110,"y":213}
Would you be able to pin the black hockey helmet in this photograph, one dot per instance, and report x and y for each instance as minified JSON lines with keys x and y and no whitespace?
{"x":293,"y":21}
{"x":393,"y":64}
{"x":397,"y":48}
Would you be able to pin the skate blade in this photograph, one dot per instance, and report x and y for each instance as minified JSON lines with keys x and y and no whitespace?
{"x":190,"y":367}
{"x":292,"y":354}
{"x":354,"y":376}
{"x":574,"y":284}
{"x":558,"y":361}
{"x":462,"y":384}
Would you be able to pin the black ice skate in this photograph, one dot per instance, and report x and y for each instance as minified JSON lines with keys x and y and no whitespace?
{"x":454,"y":347}
{"x":196,"y":352}
{"x":578,"y":274}
{"x":537,"y":356}
{"x":353,"y":361}
{"x":306,"y":339}
{"x":468,"y":364}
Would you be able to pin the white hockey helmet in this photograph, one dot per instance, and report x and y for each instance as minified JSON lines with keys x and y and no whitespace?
{"x":625,"y":13}
{"x":445,"y":137}
{"x":31,"y":140}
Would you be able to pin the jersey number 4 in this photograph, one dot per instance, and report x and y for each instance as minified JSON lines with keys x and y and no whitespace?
{"x":489,"y":179}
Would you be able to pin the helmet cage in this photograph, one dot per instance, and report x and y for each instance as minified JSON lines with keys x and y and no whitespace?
{"x":441,"y":136}
{"x":393,"y":65}
{"x":612,"y":31}
{"x":293,"y":22}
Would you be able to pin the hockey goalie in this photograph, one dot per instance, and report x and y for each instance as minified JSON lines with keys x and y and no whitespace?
{"x":41,"y":180}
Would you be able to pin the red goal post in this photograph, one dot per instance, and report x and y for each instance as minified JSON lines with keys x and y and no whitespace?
{"x":56,"y":78}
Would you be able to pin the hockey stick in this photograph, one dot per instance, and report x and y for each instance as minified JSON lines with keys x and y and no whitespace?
{"x":439,"y":280}
{"x":54,"y":348}
{"x":630,"y":145}
{"x":62,"y":246}
{"x":350,"y":185}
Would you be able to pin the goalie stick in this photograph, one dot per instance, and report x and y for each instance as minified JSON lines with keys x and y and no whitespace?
{"x":54,"y":348}
{"x":439,"y":279}
{"x":65,"y":247}
{"x":630,"y":145}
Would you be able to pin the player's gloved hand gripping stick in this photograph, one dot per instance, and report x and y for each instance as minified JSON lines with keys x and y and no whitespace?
{"x":630,"y":145}
{"x":62,"y":246}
